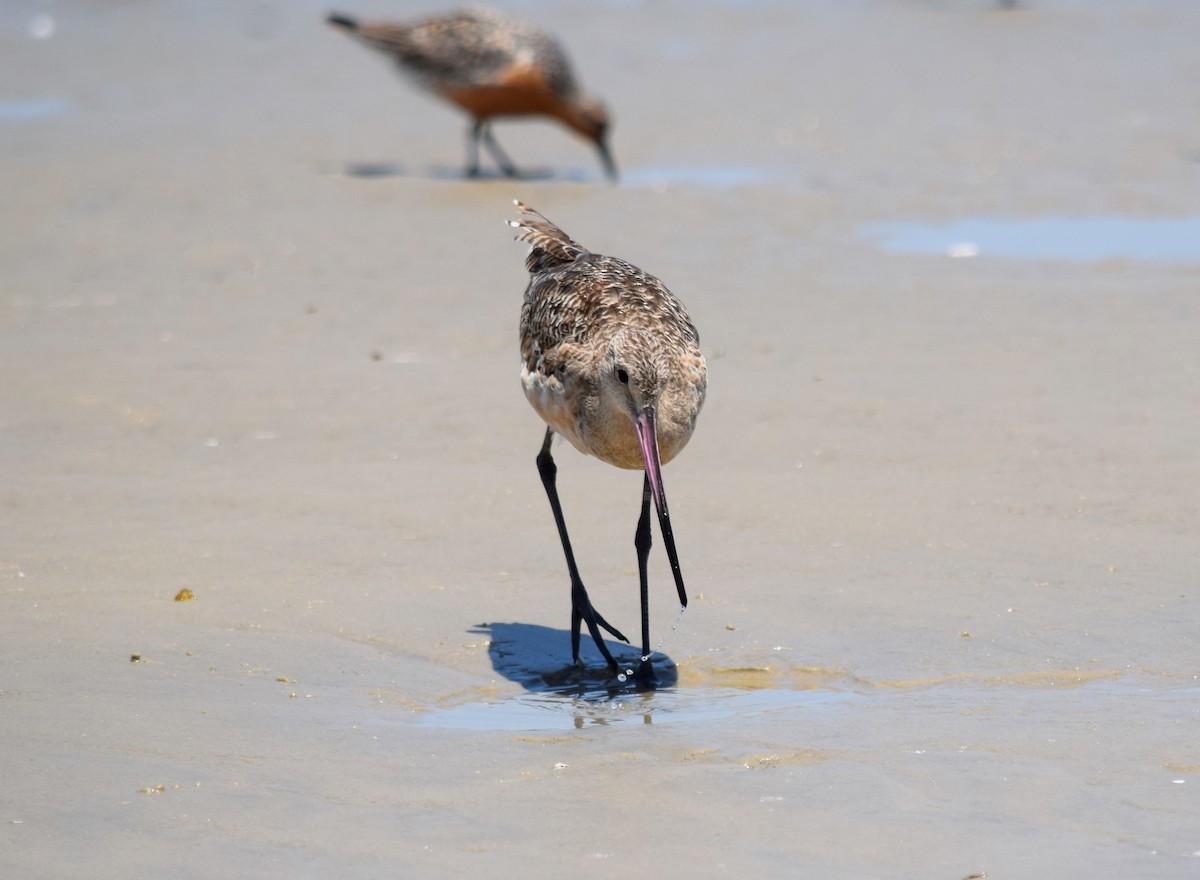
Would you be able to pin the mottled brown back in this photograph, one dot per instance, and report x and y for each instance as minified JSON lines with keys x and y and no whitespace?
{"x":467,"y":48}
{"x":577,"y":296}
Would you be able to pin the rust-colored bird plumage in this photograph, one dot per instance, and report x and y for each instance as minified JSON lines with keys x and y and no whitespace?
{"x":490,"y":66}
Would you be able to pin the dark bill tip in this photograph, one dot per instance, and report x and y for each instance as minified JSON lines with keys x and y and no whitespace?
{"x":606,"y":159}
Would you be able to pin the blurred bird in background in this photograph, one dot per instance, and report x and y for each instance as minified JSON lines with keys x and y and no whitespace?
{"x":491,"y":66}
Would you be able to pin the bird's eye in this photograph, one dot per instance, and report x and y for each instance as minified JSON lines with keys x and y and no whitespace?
{"x":622,"y":375}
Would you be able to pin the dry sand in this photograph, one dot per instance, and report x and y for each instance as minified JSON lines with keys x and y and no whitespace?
{"x":939,"y":520}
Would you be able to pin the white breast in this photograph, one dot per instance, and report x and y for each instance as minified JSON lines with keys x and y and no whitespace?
{"x":546,"y":395}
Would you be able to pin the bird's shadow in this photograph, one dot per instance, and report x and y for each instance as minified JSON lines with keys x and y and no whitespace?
{"x":377,"y":170}
{"x":370,"y":170}
{"x":532,"y":656}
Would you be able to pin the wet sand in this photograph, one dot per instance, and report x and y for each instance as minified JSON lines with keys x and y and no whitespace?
{"x":938,"y":520}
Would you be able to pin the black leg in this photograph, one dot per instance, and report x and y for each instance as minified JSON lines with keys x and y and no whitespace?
{"x":473,"y":137}
{"x":581,"y":607}
{"x":642,"y":540}
{"x":489,"y":140}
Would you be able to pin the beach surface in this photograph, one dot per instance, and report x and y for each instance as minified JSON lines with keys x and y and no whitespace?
{"x":281,"y":594}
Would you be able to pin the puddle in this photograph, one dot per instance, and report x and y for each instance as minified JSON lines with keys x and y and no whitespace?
{"x":1159,"y":239}
{"x":736,"y":691}
{"x":801,"y":696}
{"x":34,"y":108}
{"x":563,"y":711}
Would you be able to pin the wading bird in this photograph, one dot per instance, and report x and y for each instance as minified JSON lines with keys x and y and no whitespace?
{"x":490,"y":66}
{"x":610,"y":360}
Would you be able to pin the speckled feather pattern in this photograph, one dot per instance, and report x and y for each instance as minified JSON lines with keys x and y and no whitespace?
{"x":468,"y":48}
{"x":491,"y":67}
{"x":581,"y":313}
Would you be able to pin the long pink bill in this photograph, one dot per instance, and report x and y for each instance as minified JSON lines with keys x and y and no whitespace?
{"x":647,"y":432}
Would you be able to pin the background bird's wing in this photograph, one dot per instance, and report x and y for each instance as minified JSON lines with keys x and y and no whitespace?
{"x":462,"y":49}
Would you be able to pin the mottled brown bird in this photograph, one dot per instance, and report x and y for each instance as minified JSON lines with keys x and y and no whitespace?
{"x":491,"y":66}
{"x":610,"y":360}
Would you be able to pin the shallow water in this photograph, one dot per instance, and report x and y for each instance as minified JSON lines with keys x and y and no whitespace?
{"x":1164,"y":239}
{"x":34,"y":108}
{"x":563,"y":711}
{"x":586,"y":705}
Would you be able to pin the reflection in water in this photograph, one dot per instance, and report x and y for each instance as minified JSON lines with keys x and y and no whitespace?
{"x":1161,"y":239}
{"x":562,"y":696}
{"x":567,"y":710}
{"x":962,"y":696}
{"x":718,"y":688}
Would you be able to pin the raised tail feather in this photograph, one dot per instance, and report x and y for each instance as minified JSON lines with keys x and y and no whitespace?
{"x":550,"y":245}
{"x":343,"y":21}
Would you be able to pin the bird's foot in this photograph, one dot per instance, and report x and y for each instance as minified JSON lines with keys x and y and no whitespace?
{"x":646,"y":678}
{"x":604,"y":624}
{"x":582,"y":611}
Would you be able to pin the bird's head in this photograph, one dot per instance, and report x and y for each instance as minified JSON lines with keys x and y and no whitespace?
{"x":632,"y":377}
{"x":593,"y":122}
{"x":634,"y":384}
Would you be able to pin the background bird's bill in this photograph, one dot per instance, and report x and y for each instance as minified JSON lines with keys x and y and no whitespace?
{"x":606,"y":158}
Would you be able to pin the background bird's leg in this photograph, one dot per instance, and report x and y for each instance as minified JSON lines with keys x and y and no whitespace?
{"x":473,"y":136}
{"x":581,"y":606}
{"x":642,"y":540}
{"x":489,"y":140}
